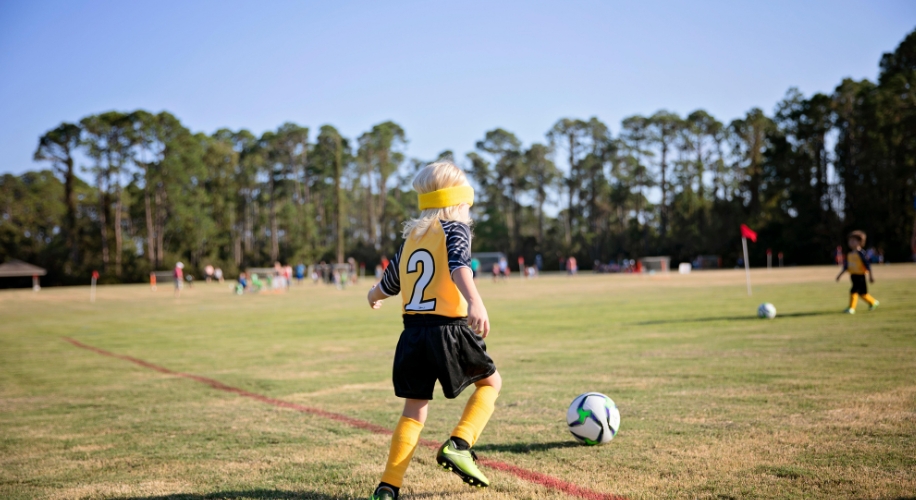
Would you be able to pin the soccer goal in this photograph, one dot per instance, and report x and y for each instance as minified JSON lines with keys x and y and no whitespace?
{"x":337,"y":274}
{"x":658,"y":264}
{"x":487,"y":259}
{"x":707,"y":262}
{"x":160,"y":277}
{"x":266,"y":279}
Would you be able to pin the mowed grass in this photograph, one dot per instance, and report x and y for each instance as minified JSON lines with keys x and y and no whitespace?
{"x":714,"y":402}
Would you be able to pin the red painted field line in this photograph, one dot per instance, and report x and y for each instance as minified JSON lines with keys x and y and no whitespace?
{"x":525,"y":474}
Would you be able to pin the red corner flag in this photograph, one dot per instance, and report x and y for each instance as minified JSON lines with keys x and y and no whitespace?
{"x":748,"y":233}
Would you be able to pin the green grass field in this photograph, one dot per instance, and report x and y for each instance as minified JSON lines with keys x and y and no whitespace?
{"x":714,"y":402}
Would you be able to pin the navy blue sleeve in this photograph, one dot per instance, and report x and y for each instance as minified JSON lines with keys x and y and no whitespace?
{"x":457,"y":244}
{"x":864,"y":260}
{"x":391,"y":280}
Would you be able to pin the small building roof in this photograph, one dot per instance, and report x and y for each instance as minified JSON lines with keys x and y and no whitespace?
{"x":14,"y":268}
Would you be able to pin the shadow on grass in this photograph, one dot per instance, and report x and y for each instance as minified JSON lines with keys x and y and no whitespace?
{"x":734,"y":318}
{"x":259,"y":494}
{"x":525,"y":447}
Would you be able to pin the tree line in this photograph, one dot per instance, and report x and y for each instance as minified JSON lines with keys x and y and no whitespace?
{"x":131,"y":192}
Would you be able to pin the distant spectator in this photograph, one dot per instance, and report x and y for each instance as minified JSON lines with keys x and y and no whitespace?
{"x":208,"y":273}
{"x":275,"y":281}
{"x":241,"y":285}
{"x":352,"y":270}
{"x":338,"y":278}
{"x":256,"y":283}
{"x":300,"y":273}
{"x":218,"y":274}
{"x":475,"y":266}
{"x":323,"y":269}
{"x":178,"y":276}
{"x":572,"y":267}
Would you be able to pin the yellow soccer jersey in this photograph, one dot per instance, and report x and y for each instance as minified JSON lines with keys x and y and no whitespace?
{"x":422,"y":271}
{"x":857,"y":262}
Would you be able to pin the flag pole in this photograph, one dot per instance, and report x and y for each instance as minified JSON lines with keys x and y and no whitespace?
{"x":747,"y":266}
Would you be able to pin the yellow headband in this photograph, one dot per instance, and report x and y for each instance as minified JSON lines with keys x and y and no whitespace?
{"x":447,"y":197}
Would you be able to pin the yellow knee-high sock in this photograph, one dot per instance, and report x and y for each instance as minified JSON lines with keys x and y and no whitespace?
{"x":476,"y":414}
{"x":853,"y":299}
{"x":403,"y":444}
{"x":868,"y":298}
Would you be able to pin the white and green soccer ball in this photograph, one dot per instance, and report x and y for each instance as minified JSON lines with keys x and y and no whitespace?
{"x":593,"y":418}
{"x":766,"y":311}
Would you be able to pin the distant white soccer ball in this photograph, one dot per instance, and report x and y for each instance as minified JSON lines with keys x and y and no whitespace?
{"x":593,"y":418}
{"x":766,"y":310}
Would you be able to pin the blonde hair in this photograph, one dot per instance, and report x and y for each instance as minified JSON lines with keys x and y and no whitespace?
{"x":433,"y":177}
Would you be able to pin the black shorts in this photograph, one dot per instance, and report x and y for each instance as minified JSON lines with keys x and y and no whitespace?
{"x":434,"y":347}
{"x":858,"y":284}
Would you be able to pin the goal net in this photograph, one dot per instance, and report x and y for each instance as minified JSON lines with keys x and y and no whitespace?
{"x":264,"y":279}
{"x":659,"y":264}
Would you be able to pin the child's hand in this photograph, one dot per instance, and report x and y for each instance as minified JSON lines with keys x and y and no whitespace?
{"x":871,"y":279}
{"x":375,"y":297}
{"x":478,"y":319}
{"x":838,"y":278}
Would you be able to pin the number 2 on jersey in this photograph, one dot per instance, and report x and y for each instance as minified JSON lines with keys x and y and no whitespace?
{"x":419,"y":288}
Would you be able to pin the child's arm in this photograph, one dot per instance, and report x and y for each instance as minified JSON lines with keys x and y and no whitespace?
{"x":845,"y":266}
{"x":478,"y":319}
{"x":376,"y":297}
{"x":389,"y":285}
{"x":867,"y":265}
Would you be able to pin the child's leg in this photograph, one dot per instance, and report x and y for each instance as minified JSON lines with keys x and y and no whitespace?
{"x":868,"y":298}
{"x":478,"y":410}
{"x":853,"y":300}
{"x":404,"y":441}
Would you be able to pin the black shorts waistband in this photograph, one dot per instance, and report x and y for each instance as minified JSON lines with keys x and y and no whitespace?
{"x":432,"y":320}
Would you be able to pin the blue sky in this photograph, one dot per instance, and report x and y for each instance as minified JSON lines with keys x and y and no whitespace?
{"x":447,"y":72}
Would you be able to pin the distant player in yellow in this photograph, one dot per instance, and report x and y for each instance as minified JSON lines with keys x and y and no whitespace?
{"x":857,"y":264}
{"x":445,"y":323}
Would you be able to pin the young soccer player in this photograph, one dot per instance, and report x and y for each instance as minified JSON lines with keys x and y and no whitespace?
{"x":178,"y":275}
{"x":445,"y":322}
{"x":857,"y":265}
